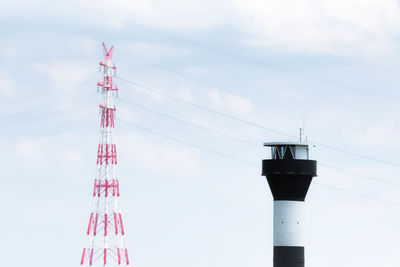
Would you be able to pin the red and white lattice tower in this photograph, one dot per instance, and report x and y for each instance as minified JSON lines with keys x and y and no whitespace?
{"x":105,"y":233}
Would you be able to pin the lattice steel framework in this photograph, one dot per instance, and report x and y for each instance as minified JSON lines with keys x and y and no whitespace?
{"x":105,"y":244}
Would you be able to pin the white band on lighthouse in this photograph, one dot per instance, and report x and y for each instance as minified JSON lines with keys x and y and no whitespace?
{"x":289,"y":223}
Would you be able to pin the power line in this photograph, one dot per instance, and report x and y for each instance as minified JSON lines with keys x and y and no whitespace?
{"x":211,"y":85}
{"x":246,"y":162}
{"x":357,"y":194}
{"x":55,"y":117}
{"x":356,"y":154}
{"x":52,"y":87}
{"x":359,"y":174}
{"x":252,"y":123}
{"x":32,"y":112}
{"x":189,"y":144}
{"x":163,"y":114}
{"x":188,"y":123}
{"x":229,"y":27}
{"x":281,"y":43}
{"x":39,"y":129}
{"x":237,"y":119}
{"x":205,"y":108}
{"x":56,"y":129}
{"x":224,"y":53}
{"x":177,"y":73}
{"x":39,"y":117}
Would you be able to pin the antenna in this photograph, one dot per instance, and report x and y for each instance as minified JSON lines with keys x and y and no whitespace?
{"x":300,"y":129}
{"x":303,"y":129}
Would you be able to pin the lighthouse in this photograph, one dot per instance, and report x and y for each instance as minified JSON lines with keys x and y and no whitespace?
{"x":289,"y":172}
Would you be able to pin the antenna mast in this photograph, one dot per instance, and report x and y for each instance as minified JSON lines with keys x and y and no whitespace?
{"x":303,"y":129}
{"x":105,"y":233}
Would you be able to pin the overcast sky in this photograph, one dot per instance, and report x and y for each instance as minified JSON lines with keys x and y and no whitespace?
{"x":202,"y":84}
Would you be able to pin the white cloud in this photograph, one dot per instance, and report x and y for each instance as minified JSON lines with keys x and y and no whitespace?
{"x":198,"y":70}
{"x":380,"y":136}
{"x":86,"y":44}
{"x":31,"y":152}
{"x":183,"y":92}
{"x":72,"y":155}
{"x":71,"y":85}
{"x":125,"y":113}
{"x":61,"y":71}
{"x":336,"y":27}
{"x":8,"y":85}
{"x":158,"y":157}
{"x":8,"y":48}
{"x":190,"y":14}
{"x":230,"y":102}
{"x":150,"y":51}
{"x":293,"y":94}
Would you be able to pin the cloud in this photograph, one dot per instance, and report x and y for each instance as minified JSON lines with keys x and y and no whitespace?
{"x":230,"y":102}
{"x":379,"y":136}
{"x":321,"y":27}
{"x":8,"y":48}
{"x":183,"y":92}
{"x":150,"y":51}
{"x":335,"y":27}
{"x":72,"y":155}
{"x":86,"y":44}
{"x":158,"y":157}
{"x":293,"y":94}
{"x":125,"y":113}
{"x":190,"y":14}
{"x":8,"y":85}
{"x":31,"y":152}
{"x":59,"y":71}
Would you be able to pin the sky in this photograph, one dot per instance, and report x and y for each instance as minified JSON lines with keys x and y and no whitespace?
{"x":202,"y":84}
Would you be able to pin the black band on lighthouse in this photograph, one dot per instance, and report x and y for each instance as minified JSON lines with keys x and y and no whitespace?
{"x":289,"y":187}
{"x":289,"y":167}
{"x":289,"y":179}
{"x":288,"y":256}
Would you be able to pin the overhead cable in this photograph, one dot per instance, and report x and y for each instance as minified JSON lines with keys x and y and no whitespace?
{"x":247,"y":162}
{"x":254,"y":124}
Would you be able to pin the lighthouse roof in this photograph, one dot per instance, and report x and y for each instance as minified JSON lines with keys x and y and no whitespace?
{"x":285,"y":144}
